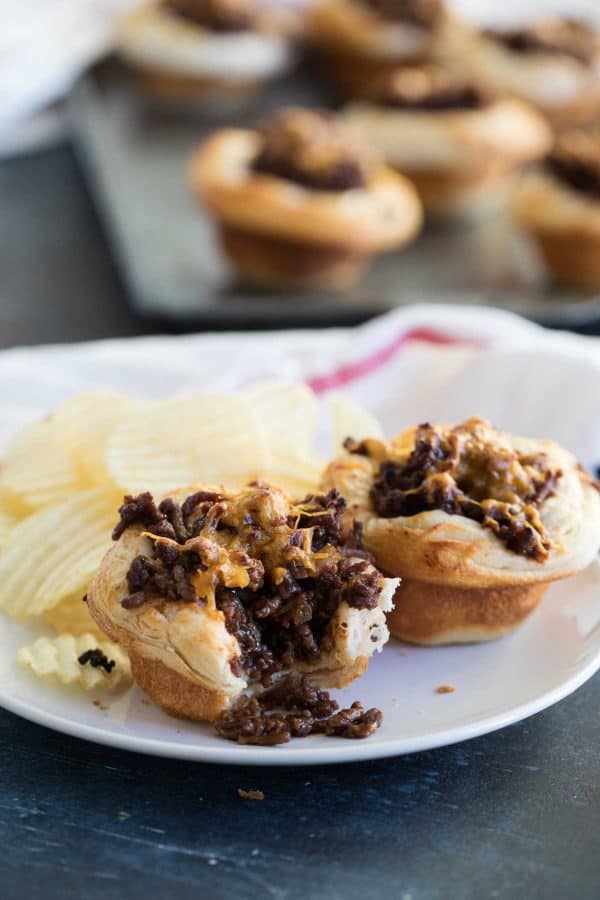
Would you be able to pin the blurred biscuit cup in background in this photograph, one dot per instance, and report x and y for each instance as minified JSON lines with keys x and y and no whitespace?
{"x":206,"y":55}
{"x":553,"y":64}
{"x":558,"y":205}
{"x":458,"y":142}
{"x":300,"y":203}
{"x":354,"y":41}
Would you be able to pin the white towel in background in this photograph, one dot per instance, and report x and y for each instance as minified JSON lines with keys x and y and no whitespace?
{"x":436,"y":362}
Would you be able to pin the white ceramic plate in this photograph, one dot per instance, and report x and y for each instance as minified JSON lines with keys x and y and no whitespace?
{"x":405,"y":367}
{"x":495,"y":684}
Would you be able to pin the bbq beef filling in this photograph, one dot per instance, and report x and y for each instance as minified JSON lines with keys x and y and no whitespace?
{"x":423,"y":13}
{"x":97,"y":659}
{"x":277,"y":572}
{"x":309,"y":148}
{"x":216,"y":15}
{"x":294,"y":707}
{"x":561,"y":37}
{"x":575,"y":161}
{"x":465,"y":471}
{"x":430,"y":89}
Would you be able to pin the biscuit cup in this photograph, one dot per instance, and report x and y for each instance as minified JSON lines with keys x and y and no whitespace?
{"x":278,"y":232}
{"x":466,"y":580}
{"x":256,"y":603}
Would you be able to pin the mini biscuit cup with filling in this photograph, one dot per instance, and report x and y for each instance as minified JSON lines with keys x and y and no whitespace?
{"x":206,"y":55}
{"x":553,"y":64}
{"x":300,"y":203}
{"x":559,"y":206}
{"x":475,"y":521}
{"x":355,"y":41}
{"x":216,"y":595}
{"x":458,"y":142}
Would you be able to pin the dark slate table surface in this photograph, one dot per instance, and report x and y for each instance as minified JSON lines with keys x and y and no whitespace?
{"x":513,"y":814}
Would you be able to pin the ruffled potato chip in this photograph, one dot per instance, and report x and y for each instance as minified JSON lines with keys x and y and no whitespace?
{"x":72,"y":616}
{"x":47,"y":461}
{"x":37,"y":469}
{"x":58,"y":657}
{"x":287,"y":414}
{"x":349,"y":419}
{"x":84,"y":423}
{"x":298,"y":475}
{"x":12,"y":506}
{"x":7,"y":522}
{"x":185,"y":440}
{"x":52,"y":554}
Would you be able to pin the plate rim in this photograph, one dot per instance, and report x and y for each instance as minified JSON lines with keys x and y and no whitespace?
{"x":349,"y":751}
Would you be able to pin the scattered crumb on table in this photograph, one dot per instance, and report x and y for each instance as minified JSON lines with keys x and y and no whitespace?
{"x":100,"y":705}
{"x":445,"y":689}
{"x":250,"y":795}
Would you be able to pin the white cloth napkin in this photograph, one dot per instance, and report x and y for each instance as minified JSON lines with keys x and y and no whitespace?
{"x":418,"y":363}
{"x":46,"y":44}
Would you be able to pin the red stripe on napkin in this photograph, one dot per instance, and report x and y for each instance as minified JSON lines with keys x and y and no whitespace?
{"x":352,"y":371}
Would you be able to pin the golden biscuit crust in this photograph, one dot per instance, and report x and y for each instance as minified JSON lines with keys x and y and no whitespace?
{"x":181,"y":652}
{"x":459,"y":581}
{"x":383,"y":214}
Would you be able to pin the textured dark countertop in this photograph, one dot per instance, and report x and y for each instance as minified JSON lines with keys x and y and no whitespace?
{"x":513,"y":814}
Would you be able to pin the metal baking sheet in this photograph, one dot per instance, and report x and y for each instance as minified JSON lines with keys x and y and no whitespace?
{"x":134,"y":157}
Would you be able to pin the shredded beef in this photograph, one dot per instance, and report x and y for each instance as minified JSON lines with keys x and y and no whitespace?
{"x":248,"y":723}
{"x":287,"y":569}
{"x":341,"y":177}
{"x":358,"y":582}
{"x":565,"y":37}
{"x":457,"y":472}
{"x":464,"y":96}
{"x":360,"y":448}
{"x":142,"y":510}
{"x":309,"y":148}
{"x":355,"y":722}
{"x":299,"y":692}
{"x":429,"y":88}
{"x":134,"y":601}
{"x":169,"y":519}
{"x":97,"y":659}
{"x":323,"y":513}
{"x":512,"y":526}
{"x":294,"y":707}
{"x":425,"y":13}
{"x":167,"y":575}
{"x":140,"y":573}
{"x":575,"y":160}
{"x":289,"y":622}
{"x":218,"y":15}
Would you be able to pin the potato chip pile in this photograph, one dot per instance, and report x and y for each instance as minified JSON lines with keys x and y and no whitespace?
{"x":63,"y":479}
